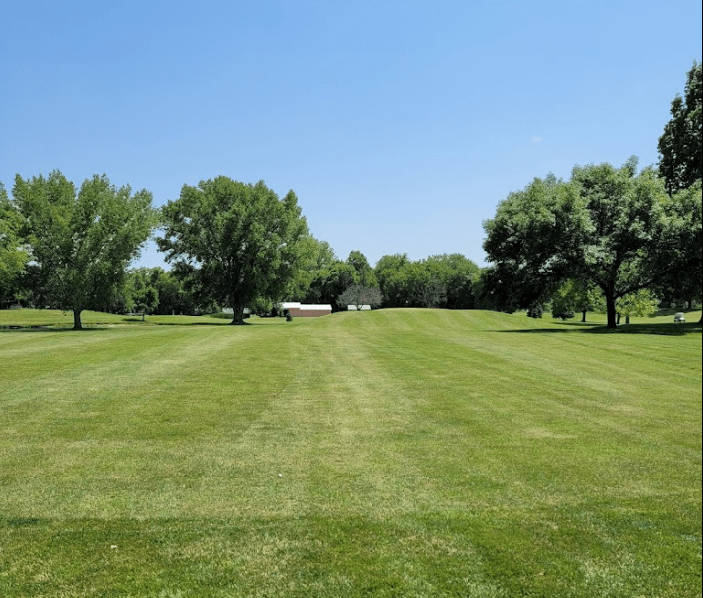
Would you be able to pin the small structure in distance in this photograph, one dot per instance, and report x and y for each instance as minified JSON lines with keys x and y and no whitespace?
{"x":306,"y":310}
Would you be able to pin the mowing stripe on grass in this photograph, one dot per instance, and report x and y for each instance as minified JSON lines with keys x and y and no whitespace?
{"x":390,"y":453}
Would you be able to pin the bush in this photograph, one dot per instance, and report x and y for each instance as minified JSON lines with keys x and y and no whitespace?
{"x":563,"y":314}
{"x":535,"y":311}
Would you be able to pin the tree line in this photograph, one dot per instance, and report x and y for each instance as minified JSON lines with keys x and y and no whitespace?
{"x":608,"y":239}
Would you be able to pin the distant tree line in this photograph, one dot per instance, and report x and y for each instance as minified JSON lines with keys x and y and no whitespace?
{"x":615,"y":240}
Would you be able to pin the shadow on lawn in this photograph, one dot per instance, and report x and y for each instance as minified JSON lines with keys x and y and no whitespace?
{"x":590,"y":328}
{"x":50,"y":328}
{"x":20,"y":521}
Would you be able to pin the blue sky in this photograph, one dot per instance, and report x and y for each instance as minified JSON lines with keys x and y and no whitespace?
{"x":400,"y":125}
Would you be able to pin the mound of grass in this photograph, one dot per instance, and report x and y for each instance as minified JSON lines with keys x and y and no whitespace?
{"x":388,"y":453}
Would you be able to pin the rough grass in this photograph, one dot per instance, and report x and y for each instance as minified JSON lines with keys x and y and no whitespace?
{"x":389,"y":453}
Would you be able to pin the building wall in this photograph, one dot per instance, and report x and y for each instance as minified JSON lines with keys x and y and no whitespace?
{"x":313,"y":313}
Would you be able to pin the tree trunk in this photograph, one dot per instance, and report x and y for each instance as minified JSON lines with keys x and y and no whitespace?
{"x":627,"y":319}
{"x":610,"y":307}
{"x":77,"y":319}
{"x":583,"y":319}
{"x":238,"y":315}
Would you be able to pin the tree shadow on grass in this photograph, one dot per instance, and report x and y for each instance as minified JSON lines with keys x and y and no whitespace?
{"x":50,"y":328}
{"x":589,"y":328}
{"x":20,"y":521}
{"x":668,"y":329}
{"x":221,"y":324}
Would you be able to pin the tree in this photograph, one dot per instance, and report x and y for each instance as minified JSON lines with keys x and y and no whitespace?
{"x":605,"y":226}
{"x":681,"y":144}
{"x":241,"y":240}
{"x":82,"y":241}
{"x":576,"y":295}
{"x":424,"y":284}
{"x":365,"y":273}
{"x":640,"y":304}
{"x":359,"y":295}
{"x":458,"y":274}
{"x":681,"y":257}
{"x":389,"y":274}
{"x":13,"y":253}
{"x":331,"y":282}
{"x":501,"y":287}
{"x":143,"y":290}
{"x":314,"y":258}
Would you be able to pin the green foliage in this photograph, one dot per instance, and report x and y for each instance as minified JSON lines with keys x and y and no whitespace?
{"x":261,"y":306}
{"x":458,"y":274}
{"x":681,"y":262}
{"x":640,"y":304}
{"x":365,"y":274}
{"x":388,"y":273}
{"x":681,"y":144}
{"x":82,"y":241}
{"x":424,"y":284}
{"x":605,"y":226}
{"x":439,"y":281}
{"x":314,"y":259}
{"x":13,"y":253}
{"x":574,"y":295}
{"x":142,"y":290}
{"x":241,"y":240}
{"x":329,"y":283}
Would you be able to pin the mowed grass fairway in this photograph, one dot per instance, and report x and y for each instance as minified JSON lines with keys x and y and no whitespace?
{"x":391,"y":453}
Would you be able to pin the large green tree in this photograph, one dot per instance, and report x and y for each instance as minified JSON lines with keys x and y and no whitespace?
{"x":389,"y":272}
{"x":241,"y":240}
{"x":315,"y":258}
{"x":329,"y":283}
{"x":681,"y":144}
{"x":82,"y":240}
{"x":639,"y":304}
{"x":142,"y":290}
{"x":13,"y":253}
{"x":358,"y":261}
{"x":574,"y":295}
{"x":445,"y":280}
{"x":605,"y":226}
{"x":458,"y":274}
{"x":681,"y":255}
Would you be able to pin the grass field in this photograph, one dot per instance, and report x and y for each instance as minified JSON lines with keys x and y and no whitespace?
{"x":403,"y":453}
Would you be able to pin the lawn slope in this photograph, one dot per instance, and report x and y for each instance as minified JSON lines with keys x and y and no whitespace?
{"x":387,"y":453}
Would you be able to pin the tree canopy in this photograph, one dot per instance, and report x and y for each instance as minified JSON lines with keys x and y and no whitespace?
{"x":681,"y":144}
{"x":315,"y":259}
{"x":13,"y":253}
{"x":605,"y":226}
{"x":681,"y":258}
{"x":82,"y":241}
{"x":241,"y":240}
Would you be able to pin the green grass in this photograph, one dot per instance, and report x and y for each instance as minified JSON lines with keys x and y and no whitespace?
{"x":54,"y":318}
{"x":391,"y":453}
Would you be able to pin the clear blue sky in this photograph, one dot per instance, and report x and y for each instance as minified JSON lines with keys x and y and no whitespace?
{"x":400,"y":124}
